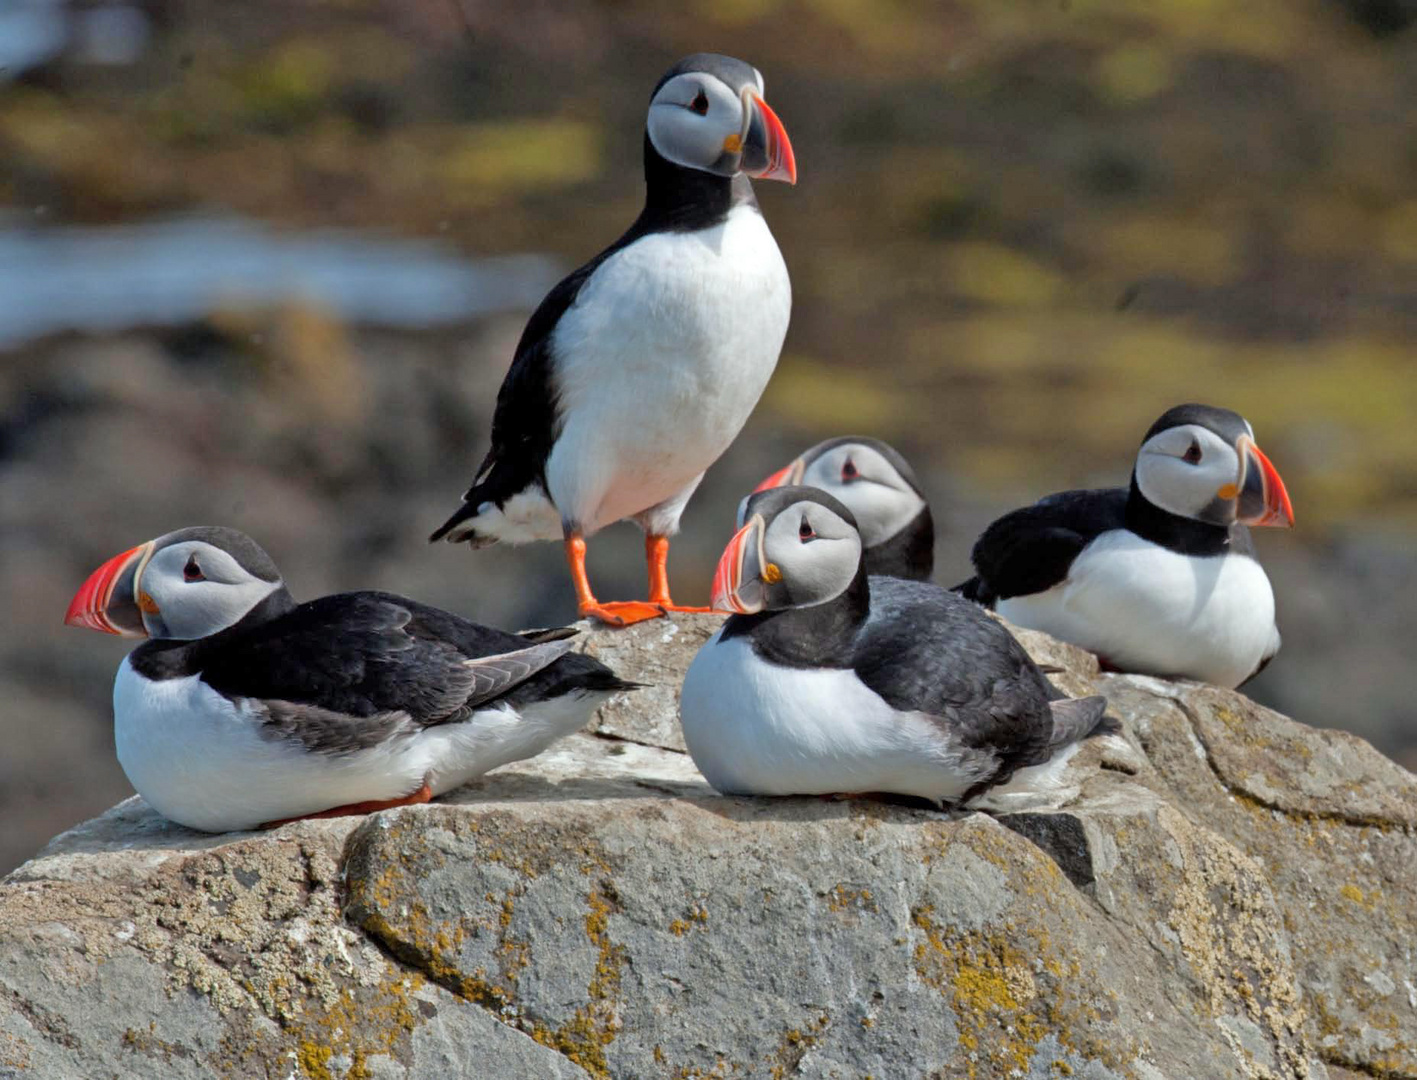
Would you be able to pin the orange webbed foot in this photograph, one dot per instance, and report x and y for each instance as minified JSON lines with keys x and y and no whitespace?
{"x":621,"y":612}
{"x":670,"y":605}
{"x":422,"y":795}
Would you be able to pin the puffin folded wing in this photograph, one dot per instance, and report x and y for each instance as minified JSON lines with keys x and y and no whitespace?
{"x":1074,"y":719}
{"x":493,"y":676}
{"x":1032,"y":549}
{"x":327,"y":731}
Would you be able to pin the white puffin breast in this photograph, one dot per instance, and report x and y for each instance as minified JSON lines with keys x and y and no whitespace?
{"x":755,"y":728}
{"x":200,"y":759}
{"x":1146,"y":608}
{"x":659,"y":362}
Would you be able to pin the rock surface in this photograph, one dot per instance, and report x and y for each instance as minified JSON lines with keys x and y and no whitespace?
{"x":1230,"y":894}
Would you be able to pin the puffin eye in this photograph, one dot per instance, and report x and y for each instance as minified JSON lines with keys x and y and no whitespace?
{"x":1192,"y":456}
{"x":700,"y":103}
{"x":805,"y":531}
{"x":193,"y":570}
{"x":849,"y":471}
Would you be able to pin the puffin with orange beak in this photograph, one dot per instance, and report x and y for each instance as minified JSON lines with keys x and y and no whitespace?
{"x":640,"y":368}
{"x":1159,"y":577}
{"x":245,"y":708}
{"x":875,"y":482}
{"x":825,"y":680}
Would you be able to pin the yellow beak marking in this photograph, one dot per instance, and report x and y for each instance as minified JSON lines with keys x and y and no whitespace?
{"x":771,"y":574}
{"x":1228,"y":491}
{"x":733,"y":144}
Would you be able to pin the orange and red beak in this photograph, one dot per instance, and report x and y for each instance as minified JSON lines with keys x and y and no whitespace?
{"x":1262,"y":499}
{"x":108,"y":600}
{"x":788,"y":474}
{"x":767,"y":151}
{"x":738,"y":585}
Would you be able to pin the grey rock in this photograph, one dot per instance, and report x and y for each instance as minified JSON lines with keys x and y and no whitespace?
{"x":1228,"y":894}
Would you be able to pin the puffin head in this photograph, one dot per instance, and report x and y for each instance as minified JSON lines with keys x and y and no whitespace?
{"x":1201,"y":462}
{"x":798,"y":546}
{"x":708,"y":113}
{"x":186,"y":585}
{"x":869,"y":477}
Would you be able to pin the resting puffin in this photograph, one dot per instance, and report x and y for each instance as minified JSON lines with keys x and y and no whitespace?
{"x":639,"y":369}
{"x":1161,"y":577}
{"x":822,"y":682}
{"x":878,"y":486}
{"x":246,"y":708}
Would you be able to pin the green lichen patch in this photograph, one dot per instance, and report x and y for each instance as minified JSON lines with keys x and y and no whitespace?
{"x":389,"y":869}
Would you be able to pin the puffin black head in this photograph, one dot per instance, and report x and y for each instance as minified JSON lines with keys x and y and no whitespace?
{"x":186,"y":585}
{"x":1201,"y":462}
{"x":708,"y":113}
{"x":868,"y":476}
{"x":798,"y":547}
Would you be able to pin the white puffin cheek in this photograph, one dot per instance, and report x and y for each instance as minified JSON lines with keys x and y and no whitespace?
{"x":822,"y":569}
{"x":825,"y":473}
{"x":694,"y":140}
{"x":1184,"y":489}
{"x":1171,"y":484}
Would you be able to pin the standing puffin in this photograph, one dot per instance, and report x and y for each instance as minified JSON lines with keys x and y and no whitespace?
{"x":878,"y":486}
{"x":1161,"y":577}
{"x":639,"y":369}
{"x":246,"y":708}
{"x":822,"y":682}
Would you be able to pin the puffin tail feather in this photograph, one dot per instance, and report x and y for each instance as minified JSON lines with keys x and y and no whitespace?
{"x":975,"y":589}
{"x":1074,"y":719}
{"x":459,"y":528}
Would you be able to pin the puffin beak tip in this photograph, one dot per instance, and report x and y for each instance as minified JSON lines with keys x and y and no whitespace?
{"x":1264,"y":501}
{"x":90,"y":606}
{"x":779,"y":163}
{"x":728,"y":575}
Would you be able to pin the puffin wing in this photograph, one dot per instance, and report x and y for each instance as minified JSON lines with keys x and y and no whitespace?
{"x":526,"y":420}
{"x":926,"y":650}
{"x":1032,"y":549}
{"x":351,"y":670}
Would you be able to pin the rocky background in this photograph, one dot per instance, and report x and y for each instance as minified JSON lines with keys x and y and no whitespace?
{"x":1221,"y":893}
{"x":249,"y":274}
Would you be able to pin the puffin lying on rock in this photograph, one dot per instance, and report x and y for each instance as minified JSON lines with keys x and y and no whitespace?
{"x":248,"y":709}
{"x":1160,"y":577}
{"x":639,"y":369}
{"x":878,"y":486}
{"x":822,"y":682}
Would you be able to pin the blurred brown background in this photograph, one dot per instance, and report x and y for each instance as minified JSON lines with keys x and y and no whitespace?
{"x":264,"y":264}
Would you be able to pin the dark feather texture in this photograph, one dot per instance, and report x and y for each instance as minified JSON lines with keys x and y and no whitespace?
{"x":909,"y":554}
{"x":1030,"y":550}
{"x":347,"y":671}
{"x":923,"y":649}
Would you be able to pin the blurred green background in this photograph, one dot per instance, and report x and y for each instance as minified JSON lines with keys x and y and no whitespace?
{"x":256,"y":269}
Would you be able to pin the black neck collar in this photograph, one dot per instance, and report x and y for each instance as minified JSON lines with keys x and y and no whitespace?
{"x":167,"y":658}
{"x":909,"y":554}
{"x":679,"y":199}
{"x":820,"y":636}
{"x":1183,"y":535}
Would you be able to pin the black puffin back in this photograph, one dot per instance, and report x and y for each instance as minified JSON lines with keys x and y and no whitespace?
{"x":365,"y":655}
{"x":1031,"y":549}
{"x":925,"y":649}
